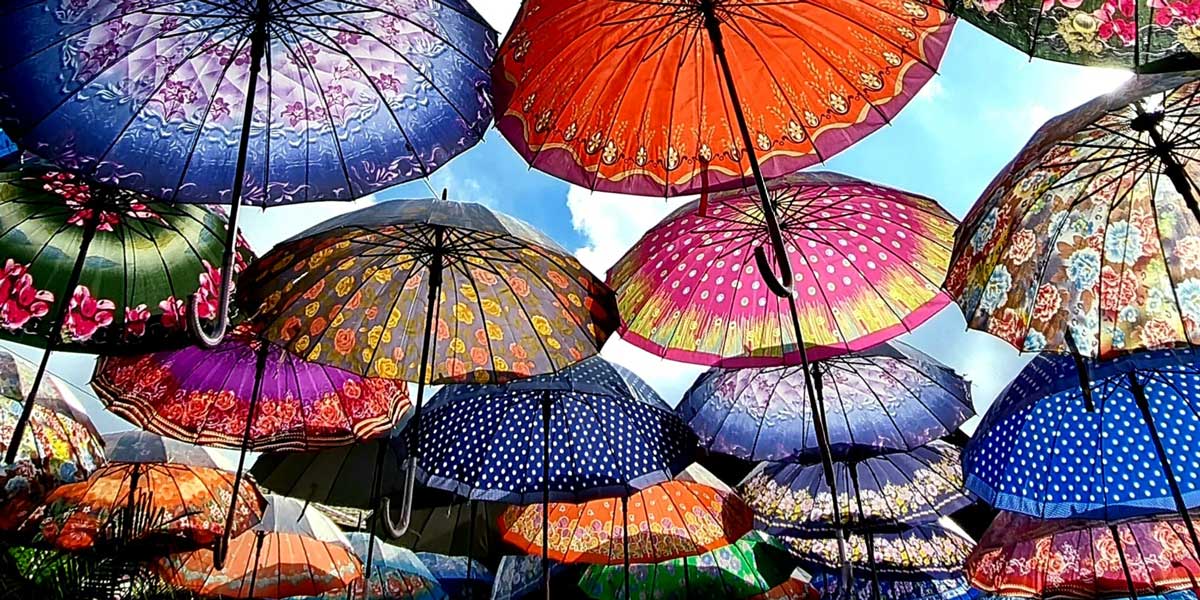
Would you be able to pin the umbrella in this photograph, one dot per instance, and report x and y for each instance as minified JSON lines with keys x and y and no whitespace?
{"x":291,"y":552}
{"x":898,"y":488}
{"x":1148,"y":36}
{"x":749,"y":567}
{"x":907,"y":586}
{"x":795,"y":588}
{"x":63,"y":446}
{"x":460,"y":576}
{"x":1076,"y":558}
{"x":398,"y":574}
{"x":249,"y":101}
{"x":891,"y":398}
{"x":666,"y":521}
{"x":1088,"y":240}
{"x":93,"y":268}
{"x":603,"y":432}
{"x":929,"y":550}
{"x":520,"y":578}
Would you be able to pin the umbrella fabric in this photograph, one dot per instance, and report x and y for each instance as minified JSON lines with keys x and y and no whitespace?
{"x":792,"y":589}
{"x":1176,"y":595}
{"x":352,"y":291}
{"x":396,"y":573}
{"x":1144,"y":35}
{"x":898,"y":488}
{"x":443,"y":524}
{"x":301,"y":553}
{"x":889,"y":398}
{"x":669,"y":520}
{"x":908,"y":586}
{"x":173,"y":508}
{"x":203,"y":395}
{"x":928,"y":550}
{"x":142,"y":447}
{"x":1082,"y":233}
{"x":1073,"y":558}
{"x":869,"y":262}
{"x":1041,"y":452}
{"x":460,"y":576}
{"x":353,"y":97}
{"x":750,"y":566}
{"x":145,"y":260}
{"x":62,"y":445}
{"x":628,"y":96}
{"x":609,"y":433}
{"x":520,"y":577}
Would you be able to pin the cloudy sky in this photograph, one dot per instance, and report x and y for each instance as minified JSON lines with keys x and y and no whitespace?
{"x":962,"y":128}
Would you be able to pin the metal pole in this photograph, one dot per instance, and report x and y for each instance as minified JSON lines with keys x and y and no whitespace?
{"x":1139,"y":396}
{"x":1124,"y":565}
{"x":127,"y":535}
{"x":625,"y":537}
{"x":258,"y":544}
{"x":260,"y":367}
{"x":1081,"y":369}
{"x":868,"y":537}
{"x":1161,"y":148}
{"x":546,"y":494}
{"x":471,"y":546}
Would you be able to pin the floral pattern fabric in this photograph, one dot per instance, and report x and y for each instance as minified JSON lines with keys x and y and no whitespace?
{"x":1083,"y":234}
{"x":1024,"y":557}
{"x":353,"y":293}
{"x":396,"y":574}
{"x":60,"y":446}
{"x":903,"y":587}
{"x":869,"y":262}
{"x":928,"y":550}
{"x":351,"y":98}
{"x":203,"y":396}
{"x":628,"y":97}
{"x":175,"y":507}
{"x":898,"y":488}
{"x":673,"y":519}
{"x":143,"y":264}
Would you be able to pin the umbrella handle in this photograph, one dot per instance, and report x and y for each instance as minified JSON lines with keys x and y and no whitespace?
{"x":394,"y":529}
{"x":780,"y":286}
{"x":206,"y":339}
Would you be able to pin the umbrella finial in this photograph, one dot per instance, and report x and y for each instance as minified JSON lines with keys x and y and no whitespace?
{"x":445,"y":192}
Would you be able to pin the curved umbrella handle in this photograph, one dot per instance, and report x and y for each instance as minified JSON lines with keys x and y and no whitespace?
{"x":393,"y":529}
{"x":781,"y":286}
{"x":206,"y":339}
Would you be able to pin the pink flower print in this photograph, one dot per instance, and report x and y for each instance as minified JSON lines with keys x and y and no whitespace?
{"x":305,"y":56}
{"x":136,"y":318}
{"x":209,"y":292}
{"x":389,"y":82}
{"x":20,"y":301}
{"x":1166,"y":13}
{"x":97,"y":58}
{"x":219,"y":109}
{"x":1115,"y":18}
{"x":174,"y":312}
{"x":1048,"y":4}
{"x":87,"y":315}
{"x":177,"y":94}
{"x":295,"y":113}
{"x":348,"y":38}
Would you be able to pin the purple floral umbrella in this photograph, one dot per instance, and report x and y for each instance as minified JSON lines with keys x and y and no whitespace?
{"x":264,"y":102}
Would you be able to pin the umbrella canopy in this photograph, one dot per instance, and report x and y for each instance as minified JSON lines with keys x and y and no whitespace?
{"x":638,"y":97}
{"x":62,"y":446}
{"x":898,"y":488}
{"x":929,"y":550}
{"x":1041,"y":452}
{"x":460,"y":576}
{"x":795,"y":588}
{"x":666,"y":521}
{"x":1079,"y":559}
{"x":291,"y":552}
{"x":869,"y":261}
{"x":135,"y":446}
{"x":908,"y":586}
{"x":520,"y":577}
{"x":750,"y":566}
{"x":203,"y":395}
{"x":509,"y":302}
{"x":1083,"y":234}
{"x":889,"y":398}
{"x":607,"y":433}
{"x":397,"y":574}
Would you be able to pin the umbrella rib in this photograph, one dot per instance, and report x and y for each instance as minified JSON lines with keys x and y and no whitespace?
{"x":758,"y":430}
{"x":919,"y":398}
{"x":424,"y":29}
{"x":616,"y":111}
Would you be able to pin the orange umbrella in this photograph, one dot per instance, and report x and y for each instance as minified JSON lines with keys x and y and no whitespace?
{"x":674,"y":519}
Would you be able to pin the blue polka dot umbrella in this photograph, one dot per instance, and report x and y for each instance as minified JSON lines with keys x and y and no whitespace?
{"x":1040,"y":450}
{"x":589,"y":431}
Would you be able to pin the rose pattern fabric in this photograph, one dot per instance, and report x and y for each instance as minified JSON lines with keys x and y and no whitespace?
{"x":353,"y":292}
{"x":146,"y":259}
{"x":351,"y":99}
{"x":673,"y":519}
{"x":578,"y":100}
{"x":924,"y":549}
{"x":869,"y":262}
{"x":1073,"y":237}
{"x":1071,"y":558}
{"x":203,"y":396}
{"x":177,"y":507}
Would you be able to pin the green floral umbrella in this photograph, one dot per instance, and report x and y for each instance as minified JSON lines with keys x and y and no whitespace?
{"x":748,"y":567}
{"x":89,"y":268}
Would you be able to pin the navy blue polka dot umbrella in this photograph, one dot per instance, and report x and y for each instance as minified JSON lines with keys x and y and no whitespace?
{"x":1042,"y":451}
{"x":592,"y":430}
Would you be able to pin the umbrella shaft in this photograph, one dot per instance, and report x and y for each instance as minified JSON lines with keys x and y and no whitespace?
{"x":546,"y":495}
{"x":260,"y":368}
{"x":868,"y":537}
{"x":1124,"y":563}
{"x":1139,"y":395}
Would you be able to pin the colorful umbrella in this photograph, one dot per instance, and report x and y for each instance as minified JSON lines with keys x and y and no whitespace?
{"x":460,"y":576}
{"x":1088,"y":241}
{"x":398,"y":574}
{"x":929,"y":550}
{"x":908,"y":586}
{"x":1079,"y":559}
{"x":795,"y":588}
{"x":249,"y":101}
{"x":1148,"y":36}
{"x":899,"y":488}
{"x":891,"y":398}
{"x":63,"y":446}
{"x":291,"y":552}
{"x":749,"y":567}
{"x":93,"y":268}
{"x":670,"y":520}
{"x":520,"y":578}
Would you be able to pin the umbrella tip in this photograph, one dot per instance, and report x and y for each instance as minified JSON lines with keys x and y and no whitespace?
{"x":444,"y":194}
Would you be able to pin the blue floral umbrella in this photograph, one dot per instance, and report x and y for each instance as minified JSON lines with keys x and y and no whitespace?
{"x":908,"y":586}
{"x":460,"y":576}
{"x":264,"y":102}
{"x":398,"y":574}
{"x":1040,"y":450}
{"x":922,"y":550}
{"x":519,"y":577}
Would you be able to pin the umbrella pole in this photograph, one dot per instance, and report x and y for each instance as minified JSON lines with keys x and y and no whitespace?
{"x":52,"y":337}
{"x":1081,"y":369}
{"x":1163,"y":150}
{"x":127,"y":534}
{"x":258,"y":544}
{"x":260,"y":368}
{"x":546,"y":495}
{"x":625,"y":537}
{"x":1139,"y":396}
{"x":1124,"y":563}
{"x":868,"y":537}
{"x":470,"y":546}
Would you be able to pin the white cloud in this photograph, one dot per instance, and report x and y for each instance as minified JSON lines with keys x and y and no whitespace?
{"x":499,"y":13}
{"x":612,"y":223}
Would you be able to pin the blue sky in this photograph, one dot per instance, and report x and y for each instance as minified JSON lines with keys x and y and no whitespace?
{"x":947,"y":144}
